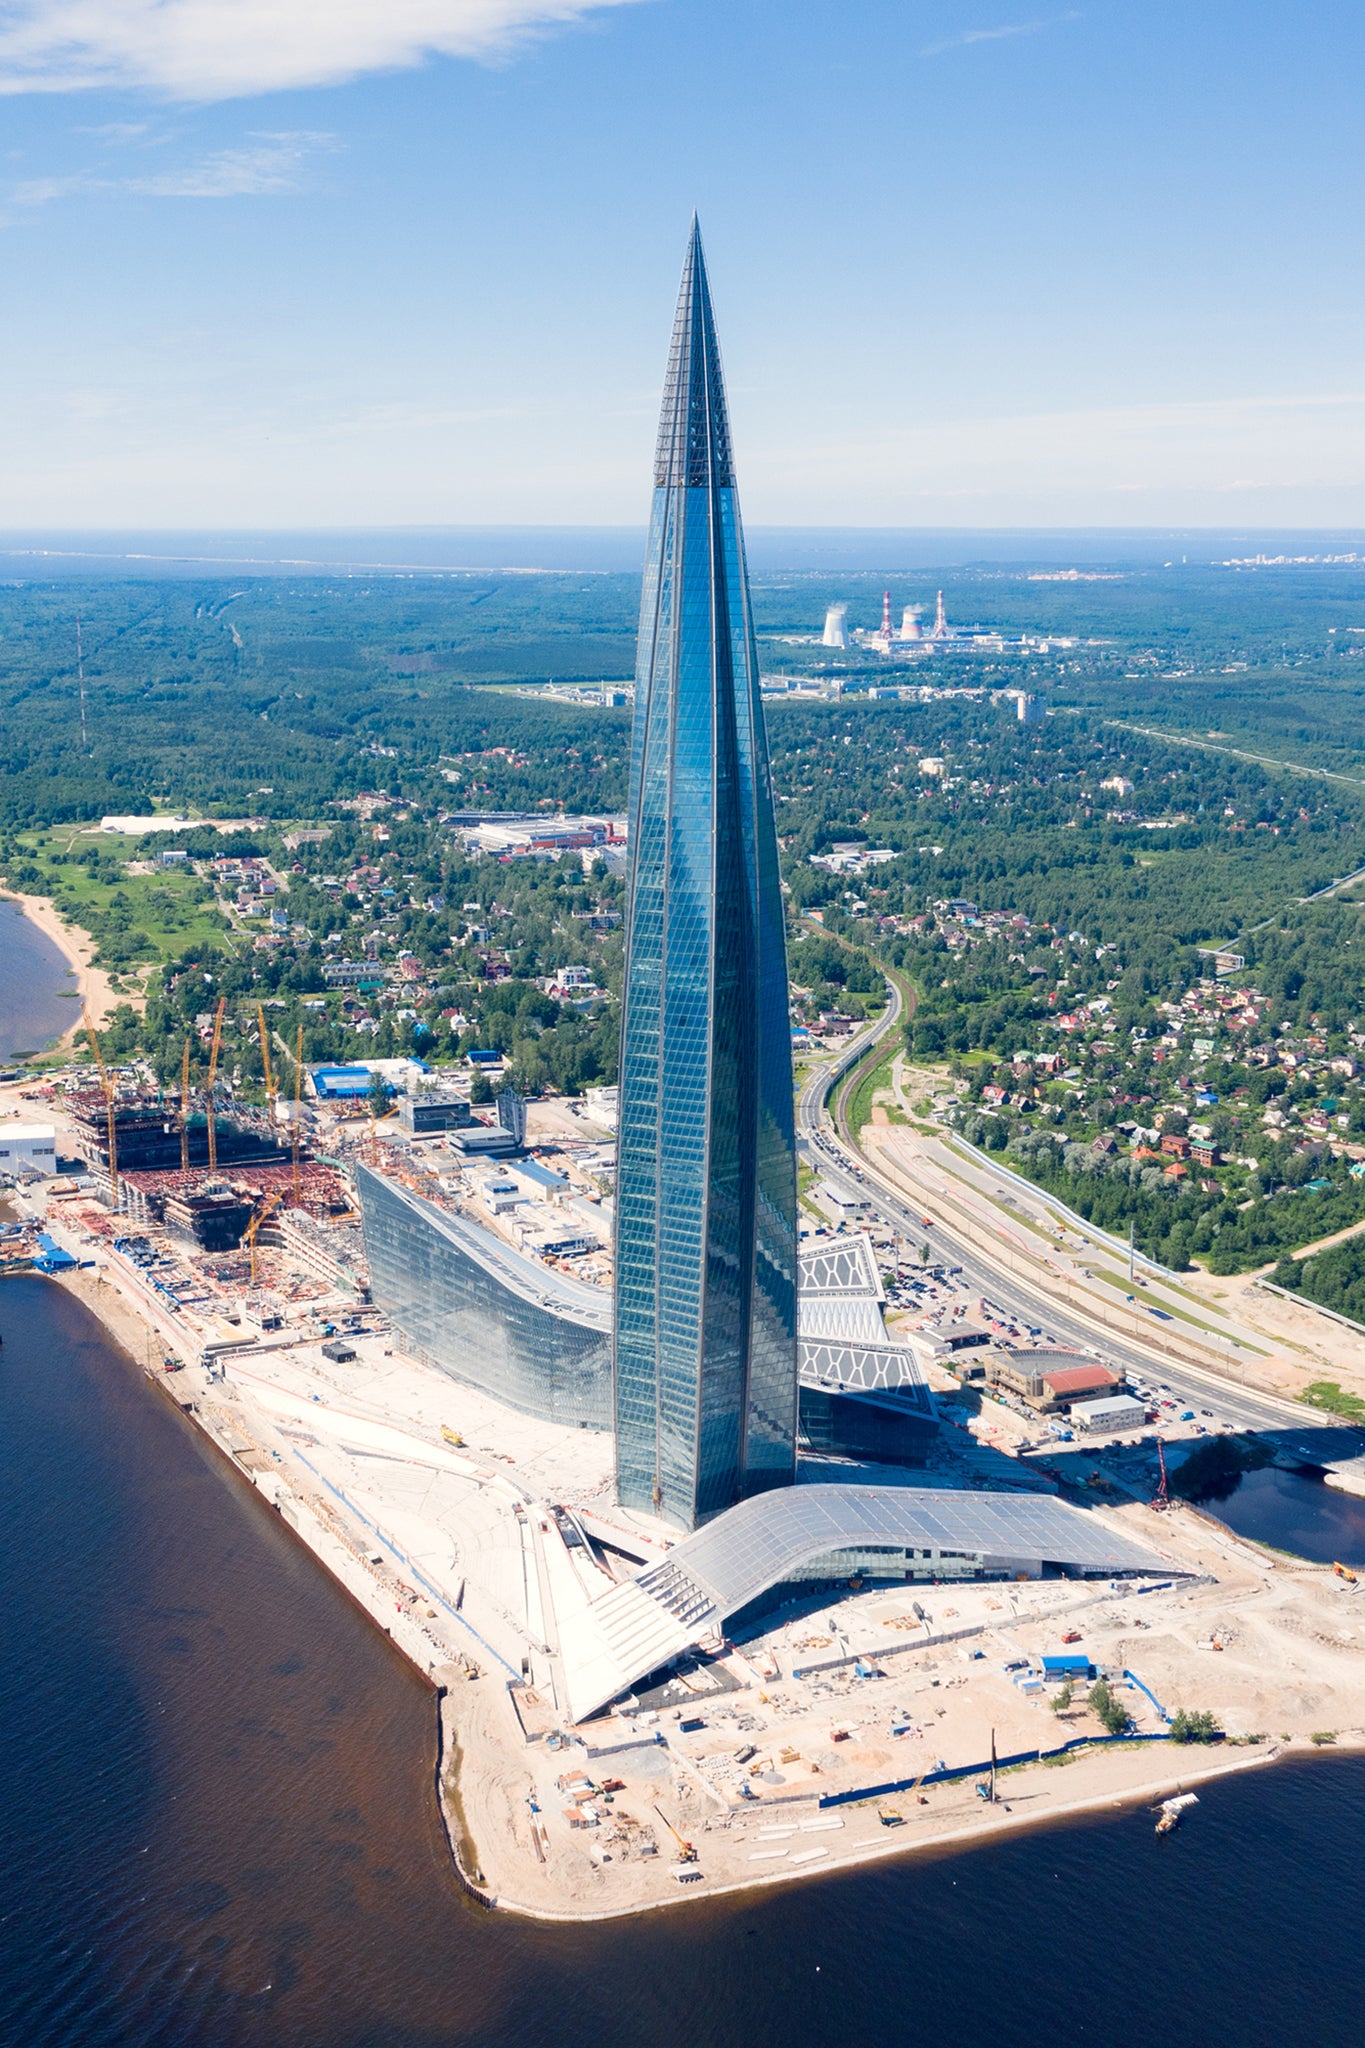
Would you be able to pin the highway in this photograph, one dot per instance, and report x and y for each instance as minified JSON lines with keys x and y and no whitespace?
{"x":1200,"y":1389}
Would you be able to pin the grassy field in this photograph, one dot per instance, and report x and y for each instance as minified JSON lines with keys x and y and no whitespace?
{"x":137,"y":920}
{"x":875,"y":1077}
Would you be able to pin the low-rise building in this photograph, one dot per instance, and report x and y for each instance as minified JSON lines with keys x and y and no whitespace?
{"x":1049,"y":1386}
{"x":423,"y":1115}
{"x":28,"y":1148}
{"x":1121,"y":1412}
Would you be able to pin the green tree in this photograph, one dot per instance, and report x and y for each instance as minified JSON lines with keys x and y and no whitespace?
{"x":1194,"y":1726}
{"x":1111,"y":1711}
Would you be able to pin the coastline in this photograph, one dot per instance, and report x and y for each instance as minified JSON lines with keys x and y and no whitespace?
{"x":77,"y":948}
{"x":480,"y":1782}
{"x":964,"y":1830}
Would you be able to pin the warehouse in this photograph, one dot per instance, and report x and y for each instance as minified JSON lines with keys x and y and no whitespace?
{"x":27,"y":1149}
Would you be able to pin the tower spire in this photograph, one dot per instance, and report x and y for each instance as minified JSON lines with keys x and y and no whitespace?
{"x":694,"y":427}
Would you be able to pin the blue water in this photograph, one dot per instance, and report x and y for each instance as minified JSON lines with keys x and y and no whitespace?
{"x":33,"y":975}
{"x":220,"y":1826}
{"x":1296,"y":1511}
{"x":772,"y":550}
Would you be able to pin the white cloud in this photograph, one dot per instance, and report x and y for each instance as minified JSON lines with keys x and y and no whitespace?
{"x":224,"y":49}
{"x":999,"y":35}
{"x":262,"y":164}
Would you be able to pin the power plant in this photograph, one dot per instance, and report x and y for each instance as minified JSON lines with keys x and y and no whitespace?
{"x":836,"y":626}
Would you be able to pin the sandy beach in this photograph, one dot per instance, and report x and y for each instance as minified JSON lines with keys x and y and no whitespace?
{"x":76,"y":946}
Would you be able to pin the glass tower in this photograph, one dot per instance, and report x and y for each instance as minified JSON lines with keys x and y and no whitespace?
{"x":705,"y":1370}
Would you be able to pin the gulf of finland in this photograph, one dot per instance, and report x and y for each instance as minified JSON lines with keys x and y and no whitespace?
{"x":36,"y":986}
{"x":223,"y":1829}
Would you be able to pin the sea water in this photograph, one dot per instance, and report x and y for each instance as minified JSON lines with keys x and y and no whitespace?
{"x":220,"y":1823}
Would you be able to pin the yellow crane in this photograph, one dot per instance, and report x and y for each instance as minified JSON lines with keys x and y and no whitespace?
{"x":107,"y":1085}
{"x":185,"y":1106}
{"x":265,"y":1063}
{"x":214,"y":1051}
{"x":686,"y":1852}
{"x":253,"y":1227}
{"x":298,"y":1109}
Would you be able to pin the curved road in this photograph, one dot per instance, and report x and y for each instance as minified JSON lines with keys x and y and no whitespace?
{"x":826,"y":1144}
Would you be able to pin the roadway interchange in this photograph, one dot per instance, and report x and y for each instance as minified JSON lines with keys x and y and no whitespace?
{"x":1207,"y":1392}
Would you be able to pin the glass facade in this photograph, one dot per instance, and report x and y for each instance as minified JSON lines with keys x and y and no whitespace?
{"x":464,"y":1303}
{"x":705,"y":1382}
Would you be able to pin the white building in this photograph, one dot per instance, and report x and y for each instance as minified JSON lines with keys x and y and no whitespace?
{"x":28,"y":1148}
{"x":836,"y":626}
{"x":603,"y":1105}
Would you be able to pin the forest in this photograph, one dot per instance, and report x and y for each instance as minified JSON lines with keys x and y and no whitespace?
{"x":1198,"y":776}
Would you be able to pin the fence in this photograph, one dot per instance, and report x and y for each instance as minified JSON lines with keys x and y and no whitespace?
{"x":1002,"y":1763}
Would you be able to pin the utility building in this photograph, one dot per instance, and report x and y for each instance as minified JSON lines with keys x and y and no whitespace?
{"x":705,"y":1366}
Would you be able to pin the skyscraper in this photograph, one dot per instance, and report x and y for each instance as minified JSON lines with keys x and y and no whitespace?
{"x":705,"y":1346}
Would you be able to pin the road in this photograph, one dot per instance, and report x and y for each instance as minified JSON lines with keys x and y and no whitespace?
{"x":841,"y":1162}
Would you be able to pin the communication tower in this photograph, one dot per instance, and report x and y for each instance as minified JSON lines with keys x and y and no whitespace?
{"x":80,"y":677}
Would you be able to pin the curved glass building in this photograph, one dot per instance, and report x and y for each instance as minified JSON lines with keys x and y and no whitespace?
{"x":705,"y":1358}
{"x":470,"y":1306}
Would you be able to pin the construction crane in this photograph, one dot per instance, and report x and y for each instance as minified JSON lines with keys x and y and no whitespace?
{"x":298,"y":1109}
{"x":686,"y":1852}
{"x":107,"y":1085}
{"x":185,"y":1106}
{"x":253,"y":1227}
{"x":1161,"y":1499}
{"x":265,"y":1063}
{"x":214,"y":1051}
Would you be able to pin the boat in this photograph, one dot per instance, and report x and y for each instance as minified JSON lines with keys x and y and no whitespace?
{"x":1172,"y":1809}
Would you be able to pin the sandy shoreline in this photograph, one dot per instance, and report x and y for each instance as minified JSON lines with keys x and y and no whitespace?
{"x":77,"y":948}
{"x":483,"y":1800}
{"x":950,"y":1833}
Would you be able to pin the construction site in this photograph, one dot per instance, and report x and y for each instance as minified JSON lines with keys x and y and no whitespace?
{"x":621,"y":1745}
{"x":821,"y":1678}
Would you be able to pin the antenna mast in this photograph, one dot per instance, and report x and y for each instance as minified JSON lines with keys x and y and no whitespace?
{"x":80,"y":675}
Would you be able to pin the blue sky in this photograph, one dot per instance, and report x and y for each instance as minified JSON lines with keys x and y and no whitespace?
{"x":359,"y":262}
